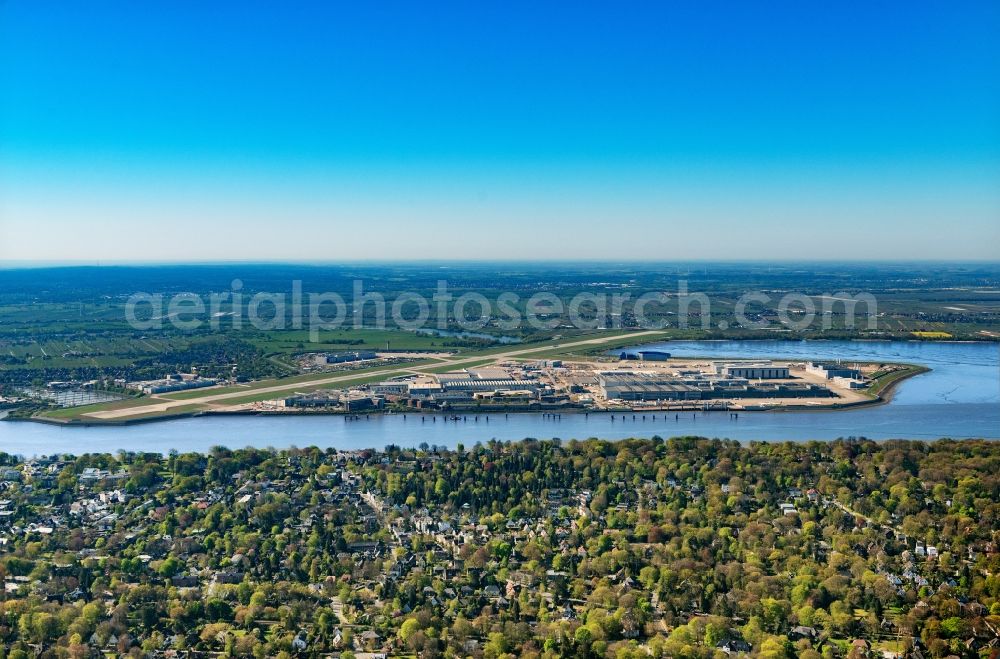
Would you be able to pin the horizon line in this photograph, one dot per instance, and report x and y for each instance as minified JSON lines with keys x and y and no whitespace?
{"x":35,"y":264}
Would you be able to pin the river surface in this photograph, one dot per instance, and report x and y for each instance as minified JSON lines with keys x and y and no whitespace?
{"x":959,"y":398}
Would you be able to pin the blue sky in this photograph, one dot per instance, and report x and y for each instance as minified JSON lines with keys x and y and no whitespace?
{"x":252,"y":130}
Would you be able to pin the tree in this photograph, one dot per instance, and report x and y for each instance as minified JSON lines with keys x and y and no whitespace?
{"x":409,"y":627}
{"x":170,"y":567}
{"x":774,"y":647}
{"x":583,"y":636}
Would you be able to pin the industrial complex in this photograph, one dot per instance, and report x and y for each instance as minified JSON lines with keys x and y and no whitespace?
{"x":516,"y":379}
{"x":635,"y":380}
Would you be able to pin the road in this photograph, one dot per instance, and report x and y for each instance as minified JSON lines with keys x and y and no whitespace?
{"x":338,"y":610}
{"x":885,"y":527}
{"x":209,"y":398}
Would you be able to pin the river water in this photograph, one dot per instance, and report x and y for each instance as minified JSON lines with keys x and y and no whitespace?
{"x":958,"y":398}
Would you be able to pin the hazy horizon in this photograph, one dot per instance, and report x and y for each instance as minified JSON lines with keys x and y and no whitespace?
{"x":220,"y":133}
{"x":15,"y":264}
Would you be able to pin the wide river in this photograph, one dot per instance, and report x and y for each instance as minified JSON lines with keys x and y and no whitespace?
{"x":959,"y":398}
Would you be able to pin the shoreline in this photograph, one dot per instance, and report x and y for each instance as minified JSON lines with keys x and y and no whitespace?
{"x":884,"y":397}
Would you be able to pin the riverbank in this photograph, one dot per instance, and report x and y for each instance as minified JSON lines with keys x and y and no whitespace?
{"x":882,"y":391}
{"x":958,"y":398}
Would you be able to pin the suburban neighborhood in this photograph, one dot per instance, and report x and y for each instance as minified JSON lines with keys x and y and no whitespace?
{"x":683,"y":547}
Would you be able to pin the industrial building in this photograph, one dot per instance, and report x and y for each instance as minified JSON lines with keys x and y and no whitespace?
{"x":752,"y":370}
{"x":176,"y":382}
{"x":622,"y":385}
{"x":423,"y":387}
{"x":473,"y":385}
{"x":484,"y":384}
{"x":831,"y":370}
{"x":850,"y":383}
{"x":352,"y":356}
{"x":506,"y":395}
{"x":642,"y":386}
{"x":645,"y":355}
{"x":391,"y":388}
{"x":345,"y":401}
{"x":544,"y":363}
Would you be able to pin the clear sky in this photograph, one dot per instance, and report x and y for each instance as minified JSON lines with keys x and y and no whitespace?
{"x":247,"y":130}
